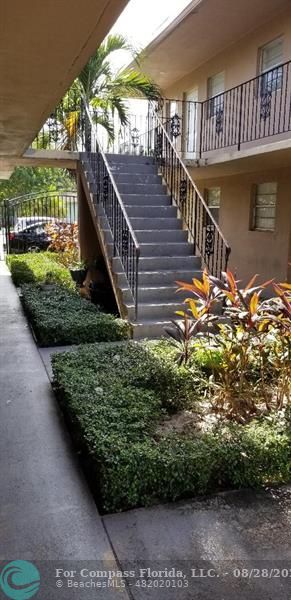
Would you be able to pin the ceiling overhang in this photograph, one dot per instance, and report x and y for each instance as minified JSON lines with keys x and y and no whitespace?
{"x":200,"y":32}
{"x":43,"y":47}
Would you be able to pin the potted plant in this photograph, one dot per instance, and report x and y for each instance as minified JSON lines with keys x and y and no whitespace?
{"x":78,"y":270}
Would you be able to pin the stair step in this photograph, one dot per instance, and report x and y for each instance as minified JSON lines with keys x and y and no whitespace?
{"x":137,"y":178}
{"x":161,"y":278}
{"x":129,"y":158}
{"x":151,"y":211}
{"x":156,"y":294}
{"x":136,"y":168}
{"x":150,"y":329}
{"x":166,"y":249}
{"x":155,"y":311}
{"x":150,"y":293}
{"x":155,"y":223}
{"x":149,"y":263}
{"x":162,"y":263}
{"x":146,"y":200}
{"x":167,"y":276}
{"x":151,"y":189}
{"x":164,"y":235}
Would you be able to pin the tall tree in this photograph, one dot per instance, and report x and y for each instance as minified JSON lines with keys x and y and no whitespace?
{"x":104,"y":90}
{"x":26,"y":180}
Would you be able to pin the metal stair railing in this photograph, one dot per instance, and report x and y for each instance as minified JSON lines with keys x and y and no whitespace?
{"x":203,"y":231}
{"x":125,"y":244}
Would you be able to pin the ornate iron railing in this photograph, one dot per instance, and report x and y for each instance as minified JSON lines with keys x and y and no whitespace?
{"x":62,"y":130}
{"x":182,"y":121}
{"x":257,"y":109}
{"x":203,"y":231}
{"x":254,"y":110}
{"x":125,"y":244}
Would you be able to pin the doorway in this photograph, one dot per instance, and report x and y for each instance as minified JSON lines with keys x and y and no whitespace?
{"x":191,"y":121}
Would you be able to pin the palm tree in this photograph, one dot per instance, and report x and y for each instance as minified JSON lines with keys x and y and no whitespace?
{"x":104,"y":91}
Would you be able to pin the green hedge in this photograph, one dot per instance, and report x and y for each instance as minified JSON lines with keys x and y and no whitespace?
{"x":115,"y":397}
{"x":60,"y":316}
{"x":40,"y":267}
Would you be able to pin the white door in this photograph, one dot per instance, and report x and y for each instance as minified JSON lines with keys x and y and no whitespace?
{"x":191,"y":124}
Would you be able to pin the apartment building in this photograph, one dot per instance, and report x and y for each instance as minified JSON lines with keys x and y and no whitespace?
{"x":224,"y":67}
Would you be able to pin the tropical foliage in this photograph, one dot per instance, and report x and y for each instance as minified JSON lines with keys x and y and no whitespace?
{"x":64,"y":241}
{"x":25,"y":180}
{"x":115,"y":399}
{"x":252,"y":334}
{"x":103,"y":90}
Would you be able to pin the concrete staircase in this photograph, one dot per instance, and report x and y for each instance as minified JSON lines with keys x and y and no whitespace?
{"x":166,"y":254}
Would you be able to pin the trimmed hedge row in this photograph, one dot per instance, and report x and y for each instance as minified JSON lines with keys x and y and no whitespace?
{"x":59,"y":316}
{"x":40,"y":267}
{"x":115,"y":397}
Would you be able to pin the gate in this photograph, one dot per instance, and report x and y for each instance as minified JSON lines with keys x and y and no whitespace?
{"x":23,"y":220}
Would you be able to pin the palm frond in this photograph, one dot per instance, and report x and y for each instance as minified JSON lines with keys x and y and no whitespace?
{"x":98,"y":66}
{"x":106,"y":123}
{"x":132,"y":84}
{"x":115,"y":42}
{"x":118,"y":104}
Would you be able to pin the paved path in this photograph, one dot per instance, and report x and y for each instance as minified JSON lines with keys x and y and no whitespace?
{"x":46,"y":510}
{"x":218,"y":537}
{"x":47,"y":514}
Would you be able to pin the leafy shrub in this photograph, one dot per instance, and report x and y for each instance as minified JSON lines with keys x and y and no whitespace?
{"x":253,"y":341}
{"x":40,"y":267}
{"x":114,"y":399}
{"x":60,"y":316}
{"x":65,"y":242}
{"x":208,"y":357}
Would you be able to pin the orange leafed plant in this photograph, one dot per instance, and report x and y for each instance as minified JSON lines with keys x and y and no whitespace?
{"x":64,"y":241}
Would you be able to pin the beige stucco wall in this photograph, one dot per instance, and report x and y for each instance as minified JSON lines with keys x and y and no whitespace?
{"x":239,"y":61}
{"x":265,"y":253}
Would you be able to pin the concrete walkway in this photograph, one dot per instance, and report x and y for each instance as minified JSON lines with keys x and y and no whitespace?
{"x":237,"y":543}
{"x":46,"y":510}
{"x":233,"y":546}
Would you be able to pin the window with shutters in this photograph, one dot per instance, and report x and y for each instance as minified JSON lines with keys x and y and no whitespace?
{"x":264,"y":206}
{"x":270,"y":61}
{"x":215,"y":88}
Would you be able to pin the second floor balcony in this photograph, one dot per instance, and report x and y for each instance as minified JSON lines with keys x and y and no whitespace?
{"x":246,"y":119}
{"x":254,"y":113}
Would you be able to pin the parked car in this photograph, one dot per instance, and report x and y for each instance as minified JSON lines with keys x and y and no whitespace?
{"x":30,"y":238}
{"x":29,"y":233}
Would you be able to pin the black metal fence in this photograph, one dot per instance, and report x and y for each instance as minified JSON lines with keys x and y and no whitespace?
{"x":23,"y":220}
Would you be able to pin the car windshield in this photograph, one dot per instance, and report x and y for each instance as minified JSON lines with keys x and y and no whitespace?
{"x":22,"y":223}
{"x":39,"y":228}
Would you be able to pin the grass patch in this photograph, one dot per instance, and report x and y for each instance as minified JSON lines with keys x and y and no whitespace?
{"x":38,"y":267}
{"x":116,"y":397}
{"x":59,"y":316}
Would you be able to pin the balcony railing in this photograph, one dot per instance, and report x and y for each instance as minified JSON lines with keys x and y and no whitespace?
{"x":254,"y":110}
{"x":258,"y":109}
